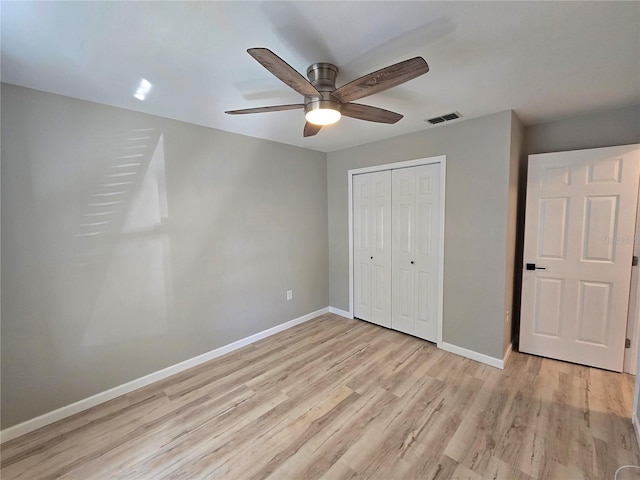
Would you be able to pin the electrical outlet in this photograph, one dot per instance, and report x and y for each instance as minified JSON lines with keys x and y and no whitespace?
{"x":289,"y":294}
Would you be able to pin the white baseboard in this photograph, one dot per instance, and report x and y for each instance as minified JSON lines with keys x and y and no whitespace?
{"x":81,"y":405}
{"x":478,"y":357}
{"x":342,"y":313}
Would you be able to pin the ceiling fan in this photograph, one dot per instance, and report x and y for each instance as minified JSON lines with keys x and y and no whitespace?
{"x":323,"y":102}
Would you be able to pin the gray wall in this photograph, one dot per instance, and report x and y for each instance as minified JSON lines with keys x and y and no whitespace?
{"x":198,"y":252}
{"x":616,"y":126}
{"x":477,"y":206}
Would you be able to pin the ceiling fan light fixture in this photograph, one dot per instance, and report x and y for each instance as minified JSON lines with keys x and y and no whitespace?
{"x":322,"y":112}
{"x":323,"y":116}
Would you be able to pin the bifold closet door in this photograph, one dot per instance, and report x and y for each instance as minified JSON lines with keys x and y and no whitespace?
{"x":415,"y":246}
{"x":372,"y":247}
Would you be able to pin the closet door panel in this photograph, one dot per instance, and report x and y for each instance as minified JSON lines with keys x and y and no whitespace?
{"x":372,"y":247}
{"x":361,"y":247}
{"x":426,"y":261}
{"x":381,"y":248}
{"x":403,"y":212}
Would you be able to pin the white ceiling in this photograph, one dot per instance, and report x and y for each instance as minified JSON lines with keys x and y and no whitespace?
{"x":545,"y":60}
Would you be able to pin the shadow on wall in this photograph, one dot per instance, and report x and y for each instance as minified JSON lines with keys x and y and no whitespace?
{"x":129,"y":286}
{"x":121,"y":260}
{"x":86,"y":264}
{"x":107,"y":277}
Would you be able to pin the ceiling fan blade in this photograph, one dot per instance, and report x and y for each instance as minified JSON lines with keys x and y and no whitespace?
{"x":381,"y":80}
{"x":371,"y":114}
{"x":311,"y":129}
{"x":272,"y":108}
{"x":284,"y":71}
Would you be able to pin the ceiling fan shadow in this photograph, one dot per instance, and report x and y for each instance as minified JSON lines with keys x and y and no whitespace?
{"x":255,"y":90}
{"x":268,"y":95}
{"x":297,"y":32}
{"x":398,"y":94}
{"x":399,"y":46}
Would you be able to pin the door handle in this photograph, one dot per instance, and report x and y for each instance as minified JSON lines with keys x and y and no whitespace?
{"x":371,"y":258}
{"x":532,"y":266}
{"x":412,"y":262}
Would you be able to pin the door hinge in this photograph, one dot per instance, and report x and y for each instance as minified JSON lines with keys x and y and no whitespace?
{"x":627,"y":343}
{"x":634,"y":261}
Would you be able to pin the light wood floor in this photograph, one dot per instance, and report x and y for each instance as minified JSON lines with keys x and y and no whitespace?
{"x":337,"y":399}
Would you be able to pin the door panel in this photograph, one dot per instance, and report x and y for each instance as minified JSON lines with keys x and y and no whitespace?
{"x":552,"y":241}
{"x":372,"y":247}
{"x":606,"y":171}
{"x":595,"y":301}
{"x":427,"y":245}
{"x":403,"y":301}
{"x":580,"y":224}
{"x":365,"y":287}
{"x":361,"y":249}
{"x":404,"y":201}
{"x":548,"y":308}
{"x":551,"y":175}
{"x":424,"y":224}
{"x":416,"y":219}
{"x":364,"y":227}
{"x":424,"y":308}
{"x":404,"y":222}
{"x":379,"y":278}
{"x":381,"y":247}
{"x":599,"y":223}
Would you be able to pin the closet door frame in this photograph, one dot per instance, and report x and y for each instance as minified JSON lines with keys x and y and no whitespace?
{"x":442,"y":160}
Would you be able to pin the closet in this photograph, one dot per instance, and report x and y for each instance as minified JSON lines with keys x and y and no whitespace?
{"x":396,"y":248}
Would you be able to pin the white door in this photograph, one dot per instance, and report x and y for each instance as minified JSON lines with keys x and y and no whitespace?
{"x":579,"y":235}
{"x":416,"y":237}
{"x":372,"y":247}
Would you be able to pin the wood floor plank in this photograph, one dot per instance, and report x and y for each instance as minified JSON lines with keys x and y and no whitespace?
{"x":533,"y":449}
{"x":289,"y":440}
{"x":497,"y":468}
{"x":463,"y":473}
{"x":240,"y":368}
{"x":128,"y":454}
{"x":65,"y":455}
{"x":442,"y":424}
{"x":343,"y":399}
{"x":283,"y":438}
{"x":339,"y":471}
{"x":474,"y":443}
{"x":224,"y":431}
{"x":319,"y":454}
{"x":27,"y":444}
{"x":310,"y":366}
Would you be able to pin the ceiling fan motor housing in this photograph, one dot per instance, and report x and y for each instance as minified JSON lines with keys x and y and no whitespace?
{"x":323,"y":77}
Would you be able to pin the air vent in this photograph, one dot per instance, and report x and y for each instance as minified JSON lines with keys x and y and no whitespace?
{"x":444,"y":118}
